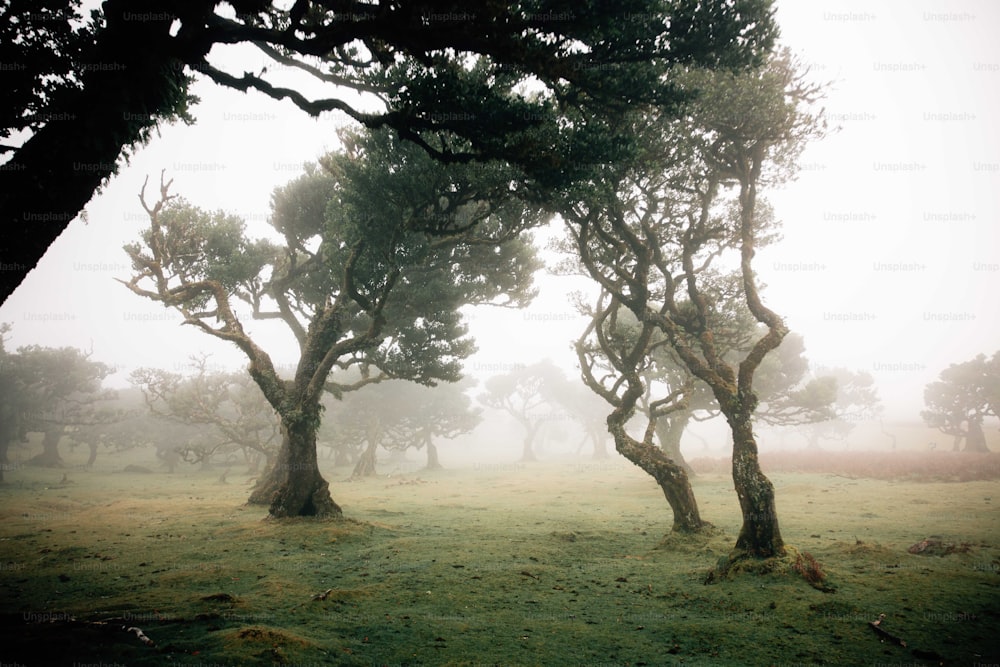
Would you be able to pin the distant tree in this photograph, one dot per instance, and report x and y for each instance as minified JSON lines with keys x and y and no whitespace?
{"x":963,"y":397}
{"x":425,"y":414}
{"x":397,"y":415}
{"x":586,"y":409}
{"x":51,"y":391}
{"x":90,"y":89}
{"x":230,"y":404}
{"x":380,"y":248}
{"x":523,"y":393}
{"x":650,"y":233}
{"x":856,"y":401}
{"x":131,"y":428}
{"x":12,"y":406}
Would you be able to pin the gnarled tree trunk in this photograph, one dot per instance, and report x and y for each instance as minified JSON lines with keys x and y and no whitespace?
{"x":294,"y":485}
{"x":759,"y":535}
{"x":671,"y":477}
{"x":365,"y":467}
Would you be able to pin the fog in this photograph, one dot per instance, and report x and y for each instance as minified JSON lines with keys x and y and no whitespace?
{"x":889,"y":262}
{"x":496,"y":540}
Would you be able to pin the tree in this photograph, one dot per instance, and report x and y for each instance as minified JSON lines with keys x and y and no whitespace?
{"x":398,"y":415}
{"x":962,"y":398}
{"x":381,"y":247}
{"x":90,"y":89}
{"x":615,"y":374}
{"x":787,"y":395}
{"x":521,"y":393}
{"x":422,"y":414}
{"x":585,"y":408}
{"x":50,"y":391}
{"x":856,"y":400}
{"x":231,"y":404}
{"x":650,"y":233}
{"x":130,"y":427}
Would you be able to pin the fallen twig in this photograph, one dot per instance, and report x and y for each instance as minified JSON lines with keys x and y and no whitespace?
{"x":883,"y":633}
{"x":141,"y":635}
{"x":324,"y":595}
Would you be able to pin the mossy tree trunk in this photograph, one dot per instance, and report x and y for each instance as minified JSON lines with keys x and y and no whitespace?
{"x":759,"y":536}
{"x":293,"y":486}
{"x":671,"y":477}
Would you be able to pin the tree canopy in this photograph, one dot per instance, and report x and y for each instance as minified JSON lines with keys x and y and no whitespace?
{"x":653,"y":235}
{"x":230,"y":405}
{"x":382,"y":246}
{"x":89,"y":89}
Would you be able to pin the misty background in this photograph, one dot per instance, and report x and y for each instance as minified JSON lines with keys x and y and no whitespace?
{"x":889,"y":262}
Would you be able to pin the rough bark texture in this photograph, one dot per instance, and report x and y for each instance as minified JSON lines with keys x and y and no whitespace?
{"x":294,"y":486}
{"x":671,"y":477}
{"x":759,"y":536}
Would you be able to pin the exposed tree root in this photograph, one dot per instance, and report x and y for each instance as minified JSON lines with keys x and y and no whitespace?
{"x":791,"y":561}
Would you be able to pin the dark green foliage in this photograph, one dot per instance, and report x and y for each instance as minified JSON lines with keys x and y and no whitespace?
{"x":440,"y":70}
{"x":382,"y":247}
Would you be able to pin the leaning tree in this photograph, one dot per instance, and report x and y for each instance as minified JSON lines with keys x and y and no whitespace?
{"x":83,"y":91}
{"x":964,"y":395}
{"x":380,"y":248}
{"x":397,"y":415}
{"x":788,"y":395}
{"x":649,"y":233}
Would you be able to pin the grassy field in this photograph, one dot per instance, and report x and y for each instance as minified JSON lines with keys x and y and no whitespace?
{"x":495,"y":564}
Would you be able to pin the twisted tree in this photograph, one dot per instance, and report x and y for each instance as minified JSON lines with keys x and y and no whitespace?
{"x":650,"y":233}
{"x":381,"y":247}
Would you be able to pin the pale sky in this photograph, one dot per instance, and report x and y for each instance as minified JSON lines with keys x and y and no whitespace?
{"x":890,"y":261}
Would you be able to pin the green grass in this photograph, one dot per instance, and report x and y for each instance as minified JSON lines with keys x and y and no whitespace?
{"x":539,"y":564}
